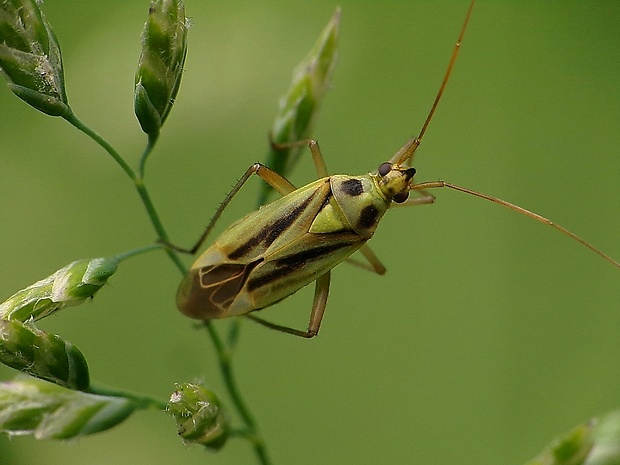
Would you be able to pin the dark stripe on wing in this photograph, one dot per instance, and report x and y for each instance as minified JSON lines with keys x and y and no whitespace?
{"x":270,"y":233}
{"x":287,"y":265}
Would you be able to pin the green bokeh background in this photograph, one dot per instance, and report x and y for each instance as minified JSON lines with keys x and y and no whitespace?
{"x":489,"y":334}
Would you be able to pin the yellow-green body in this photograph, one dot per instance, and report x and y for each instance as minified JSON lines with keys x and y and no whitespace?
{"x":280,"y":248}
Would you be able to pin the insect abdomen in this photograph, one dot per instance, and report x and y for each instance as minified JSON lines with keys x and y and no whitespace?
{"x":208,"y":292}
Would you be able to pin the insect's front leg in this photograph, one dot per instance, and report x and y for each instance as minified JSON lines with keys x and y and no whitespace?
{"x":321,"y":291}
{"x":424,"y":198}
{"x":374,"y":264}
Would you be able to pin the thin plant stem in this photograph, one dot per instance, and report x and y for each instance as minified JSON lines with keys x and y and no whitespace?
{"x":225,"y":359}
{"x":156,"y":222}
{"x":223,"y":354}
{"x":152,"y":140}
{"x":137,"y":180}
{"x":140,"y":250}
{"x":75,"y":121}
{"x":140,"y":400}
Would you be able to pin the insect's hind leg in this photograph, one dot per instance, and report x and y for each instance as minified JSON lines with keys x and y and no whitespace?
{"x":275,"y":180}
{"x":321,"y":291}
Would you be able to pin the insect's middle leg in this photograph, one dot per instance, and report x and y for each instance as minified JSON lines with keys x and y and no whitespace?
{"x":372,"y":263}
{"x":321,"y":292}
{"x":275,"y":180}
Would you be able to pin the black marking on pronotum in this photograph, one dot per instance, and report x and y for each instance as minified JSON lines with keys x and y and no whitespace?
{"x":368,"y":216}
{"x":287,"y":265}
{"x":352,"y":187}
{"x":270,"y":233}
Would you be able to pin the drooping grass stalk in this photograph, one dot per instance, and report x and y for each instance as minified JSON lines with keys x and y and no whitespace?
{"x":77,"y":123}
{"x":157,"y":80}
{"x":223,"y":354}
{"x":137,"y":181}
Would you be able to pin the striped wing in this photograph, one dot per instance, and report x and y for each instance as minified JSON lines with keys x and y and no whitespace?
{"x":269,"y":255}
{"x":297,"y":265}
{"x":274,"y":225}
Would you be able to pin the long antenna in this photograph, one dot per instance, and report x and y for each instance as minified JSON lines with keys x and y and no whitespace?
{"x":523,"y":211}
{"x":413,"y":144}
{"x":405,"y":155}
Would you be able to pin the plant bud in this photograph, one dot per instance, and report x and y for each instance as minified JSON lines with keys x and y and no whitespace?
{"x":200,"y":416}
{"x":30,"y":58}
{"x":164,"y":46}
{"x":69,"y":286}
{"x":42,"y":355}
{"x":300,"y":106}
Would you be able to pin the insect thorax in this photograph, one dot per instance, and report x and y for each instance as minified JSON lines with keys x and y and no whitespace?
{"x":361,"y":202}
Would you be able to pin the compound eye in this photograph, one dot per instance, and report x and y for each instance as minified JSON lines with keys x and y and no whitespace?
{"x":401,"y":197}
{"x":385,"y":168}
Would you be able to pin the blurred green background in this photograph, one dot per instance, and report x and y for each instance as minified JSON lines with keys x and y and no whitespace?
{"x":489,"y":334}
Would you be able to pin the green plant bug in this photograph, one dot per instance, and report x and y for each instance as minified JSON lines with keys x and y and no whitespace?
{"x":297,"y":239}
